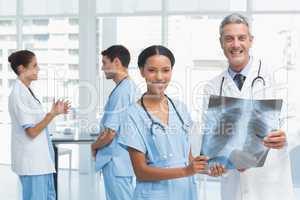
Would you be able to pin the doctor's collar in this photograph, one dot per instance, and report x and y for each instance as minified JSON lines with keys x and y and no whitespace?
{"x":245,"y":71}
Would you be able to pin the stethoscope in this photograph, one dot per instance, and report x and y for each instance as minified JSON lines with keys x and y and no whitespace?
{"x":33,"y":95}
{"x":163,"y":155}
{"x":117,"y":86}
{"x":258,"y":78}
{"x":154,"y":123}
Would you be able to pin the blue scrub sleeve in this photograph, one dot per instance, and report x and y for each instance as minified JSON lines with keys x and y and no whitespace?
{"x":25,"y":126}
{"x":130,"y":135}
{"x":114,"y":110}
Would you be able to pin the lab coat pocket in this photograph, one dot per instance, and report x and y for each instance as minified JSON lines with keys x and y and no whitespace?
{"x":277,"y":162}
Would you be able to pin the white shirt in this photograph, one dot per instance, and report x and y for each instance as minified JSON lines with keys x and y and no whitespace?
{"x":273,"y":180}
{"x":30,"y":156}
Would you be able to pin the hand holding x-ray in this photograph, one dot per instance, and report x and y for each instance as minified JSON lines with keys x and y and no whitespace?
{"x":235,"y":131}
{"x":275,"y":139}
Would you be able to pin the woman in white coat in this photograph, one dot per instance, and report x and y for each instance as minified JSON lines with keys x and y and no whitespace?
{"x":247,"y":77}
{"x":31,"y":149}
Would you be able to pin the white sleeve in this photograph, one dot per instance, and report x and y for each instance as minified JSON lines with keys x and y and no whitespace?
{"x":25,"y":112}
{"x":289,"y":123}
{"x":288,"y":116}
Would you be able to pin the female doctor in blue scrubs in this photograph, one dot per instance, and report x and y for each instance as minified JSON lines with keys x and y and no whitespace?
{"x":31,"y":149}
{"x":155,"y":133}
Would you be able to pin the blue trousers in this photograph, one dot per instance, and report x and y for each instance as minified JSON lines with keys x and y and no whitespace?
{"x":117,"y":187}
{"x":38,"y":187}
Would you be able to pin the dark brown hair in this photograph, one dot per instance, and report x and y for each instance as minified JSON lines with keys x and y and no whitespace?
{"x":118,"y":51}
{"x":22,"y":57}
{"x":155,"y":50}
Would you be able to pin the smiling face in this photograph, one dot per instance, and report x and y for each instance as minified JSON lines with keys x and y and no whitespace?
{"x":157,"y":72}
{"x":236,"y":42}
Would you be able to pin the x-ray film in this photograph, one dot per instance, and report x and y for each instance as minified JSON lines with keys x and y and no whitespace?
{"x":234,"y":129}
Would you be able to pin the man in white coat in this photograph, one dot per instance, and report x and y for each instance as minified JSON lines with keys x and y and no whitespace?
{"x":273,"y":180}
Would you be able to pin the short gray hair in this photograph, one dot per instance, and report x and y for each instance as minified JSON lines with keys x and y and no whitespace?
{"x":234,"y":18}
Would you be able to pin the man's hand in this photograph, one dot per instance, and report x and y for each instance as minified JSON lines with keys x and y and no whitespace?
{"x":275,"y":140}
{"x":93,"y":150}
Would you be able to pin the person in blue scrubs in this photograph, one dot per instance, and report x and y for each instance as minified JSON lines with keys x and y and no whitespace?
{"x":111,"y":158}
{"x":155,"y":132}
{"x":32,"y":152}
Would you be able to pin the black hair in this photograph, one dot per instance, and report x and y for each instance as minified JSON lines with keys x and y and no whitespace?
{"x":22,"y":57}
{"x":118,"y":51}
{"x":155,"y":50}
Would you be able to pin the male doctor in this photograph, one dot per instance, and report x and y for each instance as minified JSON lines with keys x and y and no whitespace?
{"x":111,"y":158}
{"x":247,"y":77}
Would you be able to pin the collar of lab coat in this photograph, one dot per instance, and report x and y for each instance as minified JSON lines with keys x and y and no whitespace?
{"x":23,"y":86}
{"x":231,"y":87}
{"x":34,"y":104}
{"x":245,"y":70}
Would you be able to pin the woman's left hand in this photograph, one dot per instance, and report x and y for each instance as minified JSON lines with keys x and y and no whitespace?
{"x":67,"y":106}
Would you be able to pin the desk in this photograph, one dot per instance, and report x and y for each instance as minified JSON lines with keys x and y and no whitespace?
{"x":67,"y":139}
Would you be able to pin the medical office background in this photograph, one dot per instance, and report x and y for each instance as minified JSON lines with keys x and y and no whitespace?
{"x":68,"y":36}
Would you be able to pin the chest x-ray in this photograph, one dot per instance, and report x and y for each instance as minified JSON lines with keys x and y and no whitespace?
{"x":234,"y":129}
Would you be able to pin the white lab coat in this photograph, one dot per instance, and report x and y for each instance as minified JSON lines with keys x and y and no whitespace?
{"x":273,"y":180}
{"x":28,"y":156}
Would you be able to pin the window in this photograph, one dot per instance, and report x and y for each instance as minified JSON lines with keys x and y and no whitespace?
{"x":128,"y":6}
{"x":73,"y":37}
{"x":55,"y":51}
{"x":11,"y":82}
{"x":8,"y":44}
{"x":73,"y":21}
{"x":206,"y":5}
{"x":53,"y":7}
{"x":6,"y":23}
{"x":147,"y":33}
{"x":276,"y":5}
{"x":40,"y":22}
{"x":7,"y":39}
{"x":10,"y":51}
{"x":195,"y":62}
{"x":73,"y":52}
{"x":73,"y":67}
{"x":188,"y":27}
{"x":283,"y":31}
{"x":7,"y":7}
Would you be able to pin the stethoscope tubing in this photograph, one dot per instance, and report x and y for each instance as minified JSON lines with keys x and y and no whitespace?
{"x":258,"y":77}
{"x":152,"y":120}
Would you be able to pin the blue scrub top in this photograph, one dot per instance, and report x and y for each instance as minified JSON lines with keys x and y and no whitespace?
{"x":119,"y":100}
{"x":165,"y":149}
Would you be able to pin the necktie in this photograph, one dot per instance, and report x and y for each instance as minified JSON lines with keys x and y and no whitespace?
{"x":239,"y":80}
